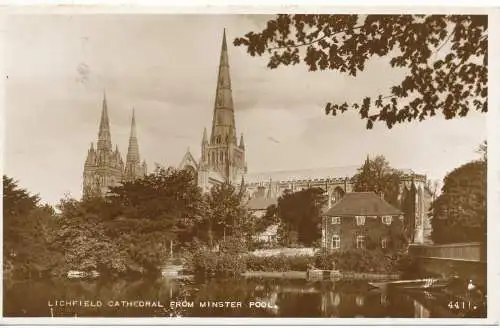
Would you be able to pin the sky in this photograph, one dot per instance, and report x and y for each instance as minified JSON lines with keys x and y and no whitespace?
{"x":165,"y":66}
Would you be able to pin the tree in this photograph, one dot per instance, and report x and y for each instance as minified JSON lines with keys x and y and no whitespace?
{"x":268,"y":219}
{"x":128,"y":230}
{"x":459,"y":212}
{"x":27,"y":232}
{"x":483,"y":150}
{"x":225,"y":213}
{"x":300,"y":215}
{"x":379,"y":177}
{"x":444,"y":56}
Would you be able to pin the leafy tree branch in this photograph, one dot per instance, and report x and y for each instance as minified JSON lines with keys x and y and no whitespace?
{"x":453,"y":84}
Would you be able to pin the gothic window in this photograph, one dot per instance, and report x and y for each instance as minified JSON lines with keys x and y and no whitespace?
{"x":360,"y":220}
{"x":335,"y":242}
{"x":219,"y":99}
{"x":335,"y":220}
{"x":361,"y":241}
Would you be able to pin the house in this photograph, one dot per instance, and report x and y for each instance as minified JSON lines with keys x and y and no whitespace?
{"x":361,"y":220}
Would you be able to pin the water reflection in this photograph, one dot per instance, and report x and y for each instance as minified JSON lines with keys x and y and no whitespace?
{"x":216,"y":298}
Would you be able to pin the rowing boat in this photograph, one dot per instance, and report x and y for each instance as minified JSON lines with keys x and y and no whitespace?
{"x":426,"y":284}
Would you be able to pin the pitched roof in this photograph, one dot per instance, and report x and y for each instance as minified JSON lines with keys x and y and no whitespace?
{"x":261,"y":203}
{"x":362,"y":203}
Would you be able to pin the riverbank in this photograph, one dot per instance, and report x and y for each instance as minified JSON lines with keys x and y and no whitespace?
{"x":284,"y":275}
{"x":334,"y":276}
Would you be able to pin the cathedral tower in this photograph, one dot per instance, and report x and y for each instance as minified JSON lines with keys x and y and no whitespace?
{"x":103,"y":166}
{"x":220,"y":153}
{"x":222,"y":158}
{"x":133,"y":167}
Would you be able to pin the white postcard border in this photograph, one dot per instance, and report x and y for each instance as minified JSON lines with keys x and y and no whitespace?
{"x":493,"y":126}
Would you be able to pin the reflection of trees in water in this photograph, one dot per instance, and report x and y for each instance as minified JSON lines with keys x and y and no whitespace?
{"x":293,"y":298}
{"x":420,"y":310}
{"x":41,"y":292}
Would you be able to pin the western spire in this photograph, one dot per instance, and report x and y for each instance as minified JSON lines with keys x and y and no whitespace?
{"x":133,"y":146}
{"x":104,"y":136}
{"x":223,"y":123}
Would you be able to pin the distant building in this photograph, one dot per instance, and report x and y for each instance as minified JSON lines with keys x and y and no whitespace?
{"x":360,"y":220}
{"x":104,"y":167}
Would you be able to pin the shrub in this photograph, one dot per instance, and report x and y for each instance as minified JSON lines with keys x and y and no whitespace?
{"x":278,"y":263}
{"x":356,"y":260}
{"x":205,"y":263}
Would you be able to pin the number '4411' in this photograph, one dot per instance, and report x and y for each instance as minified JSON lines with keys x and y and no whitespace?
{"x":459,"y":305}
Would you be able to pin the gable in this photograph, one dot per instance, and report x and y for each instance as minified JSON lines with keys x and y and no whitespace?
{"x":188,"y":160}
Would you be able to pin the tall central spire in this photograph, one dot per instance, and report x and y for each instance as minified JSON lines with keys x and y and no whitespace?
{"x":133,"y":146}
{"x":223,"y":123}
{"x":104,"y":136}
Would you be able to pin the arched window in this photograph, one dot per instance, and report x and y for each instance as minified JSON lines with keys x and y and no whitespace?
{"x":335,"y":242}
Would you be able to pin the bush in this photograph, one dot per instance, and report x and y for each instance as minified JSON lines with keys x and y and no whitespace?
{"x":278,"y":263}
{"x":227,"y":262}
{"x":205,"y":263}
{"x":357,"y":260}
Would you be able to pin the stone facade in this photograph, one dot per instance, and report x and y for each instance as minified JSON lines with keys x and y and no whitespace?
{"x":104,"y":167}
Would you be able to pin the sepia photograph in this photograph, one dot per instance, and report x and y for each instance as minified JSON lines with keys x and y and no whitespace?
{"x":281,"y":165}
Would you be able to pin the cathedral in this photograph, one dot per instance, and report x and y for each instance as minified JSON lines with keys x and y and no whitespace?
{"x":104,"y":167}
{"x":222,"y":160}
